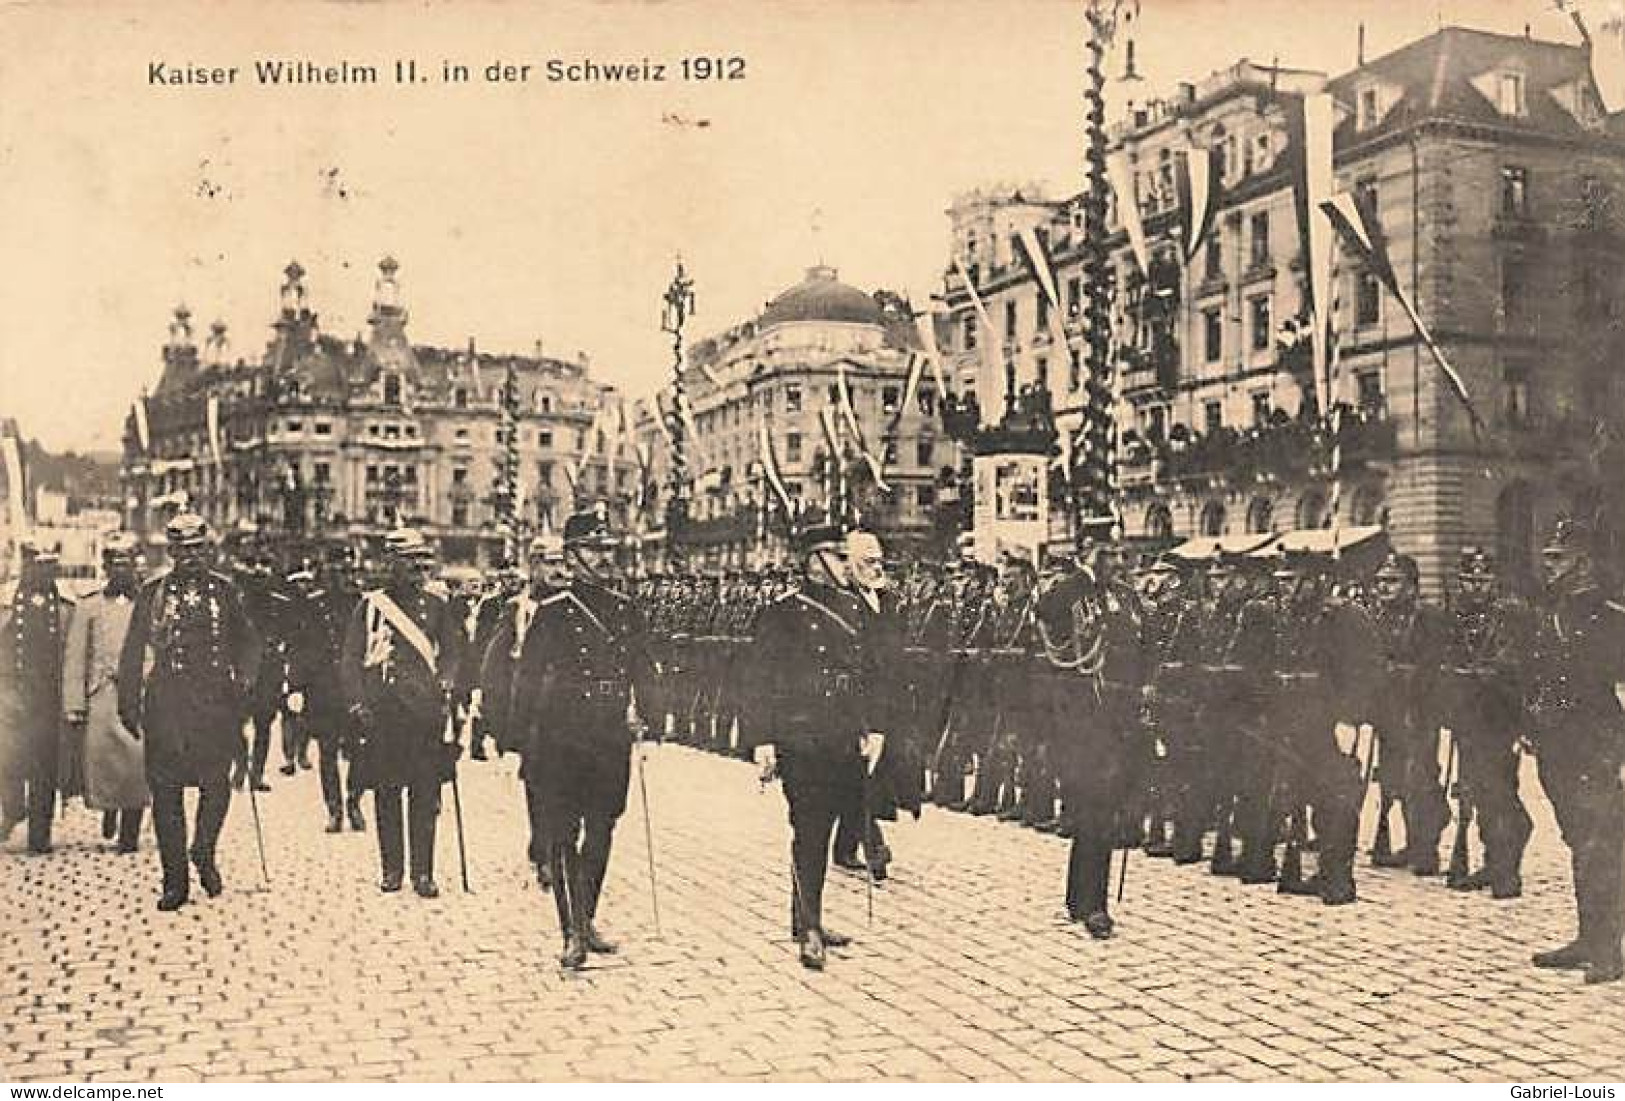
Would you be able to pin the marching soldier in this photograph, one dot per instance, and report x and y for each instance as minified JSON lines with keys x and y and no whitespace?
{"x":810,"y":723}
{"x":186,"y":674}
{"x":115,"y":772}
{"x":272,"y":610}
{"x":1411,"y":637}
{"x":1489,"y":638}
{"x":575,"y":696}
{"x":33,"y":631}
{"x":399,"y":664}
{"x":1579,"y":740}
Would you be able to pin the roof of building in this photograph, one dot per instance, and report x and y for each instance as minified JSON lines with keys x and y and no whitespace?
{"x":822,"y":297}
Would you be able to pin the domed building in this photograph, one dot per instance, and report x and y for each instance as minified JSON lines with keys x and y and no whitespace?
{"x":326,"y":438}
{"x":778,"y":372}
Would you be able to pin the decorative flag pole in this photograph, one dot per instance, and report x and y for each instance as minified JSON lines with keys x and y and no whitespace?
{"x":679,"y":306}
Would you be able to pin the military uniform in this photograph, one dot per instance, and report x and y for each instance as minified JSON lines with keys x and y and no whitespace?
{"x":315,"y":660}
{"x":33,"y":633}
{"x":1579,"y":738}
{"x":186,"y":675}
{"x":578,"y":677}
{"x":401,"y":652}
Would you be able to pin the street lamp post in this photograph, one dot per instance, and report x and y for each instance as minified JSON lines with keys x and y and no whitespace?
{"x":678,"y":308}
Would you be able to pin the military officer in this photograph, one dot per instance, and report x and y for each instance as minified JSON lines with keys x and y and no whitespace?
{"x":576,"y":689}
{"x":115,"y":772}
{"x":1577,"y":692}
{"x":33,"y":632}
{"x":188,"y":667}
{"x":273,"y":611}
{"x":810,"y":721}
{"x":315,"y":656}
{"x":399,"y":664}
{"x":1489,"y":639}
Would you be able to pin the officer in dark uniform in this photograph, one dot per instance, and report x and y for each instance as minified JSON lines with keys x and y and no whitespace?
{"x":1489,"y":640}
{"x":1579,"y":739}
{"x":273,"y":611}
{"x":1405,"y":714}
{"x":315,"y":655}
{"x":33,"y":639}
{"x":401,"y":652}
{"x":810,"y":721}
{"x":576,"y":689}
{"x":186,"y":675}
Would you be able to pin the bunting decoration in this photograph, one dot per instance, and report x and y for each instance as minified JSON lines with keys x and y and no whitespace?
{"x":850,"y":415}
{"x":1196,"y":181}
{"x":925,"y":324}
{"x":992,"y":344}
{"x":1043,"y":270}
{"x":770,"y":467}
{"x":11,"y":454}
{"x":1128,"y":207}
{"x":1310,"y":145}
{"x":1361,"y":234}
{"x":143,"y":431}
{"x":911,"y":385}
{"x":212,"y":415}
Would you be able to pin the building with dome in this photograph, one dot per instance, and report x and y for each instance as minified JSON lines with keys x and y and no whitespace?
{"x":323,"y":437}
{"x":776,"y":372}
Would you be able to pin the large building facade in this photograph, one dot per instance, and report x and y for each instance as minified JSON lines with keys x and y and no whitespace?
{"x":323,"y":437}
{"x":778,"y":372}
{"x":1496,"y":176}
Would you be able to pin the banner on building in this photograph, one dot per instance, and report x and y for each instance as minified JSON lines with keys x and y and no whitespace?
{"x":1012,"y":507}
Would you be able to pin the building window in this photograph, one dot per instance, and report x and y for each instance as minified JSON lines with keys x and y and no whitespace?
{"x":1312,"y":510}
{"x":322,"y":473}
{"x":372,"y":430}
{"x":1213,"y":518}
{"x":1514,"y":191}
{"x":459,"y":514}
{"x":1509,"y":94}
{"x":410,"y":431}
{"x":925,"y":450}
{"x":392,"y":389}
{"x":1041,"y":372}
{"x":1258,"y":313}
{"x":1513,"y":282}
{"x":409,"y":475}
{"x":1041,"y":316}
{"x":925,"y":495}
{"x":1212,"y":417}
{"x":295,"y":427}
{"x":544,"y":438}
{"x":1212,"y":334}
{"x":1370,"y":396}
{"x":1260,"y":513}
{"x":1213,"y":259}
{"x":1259,"y":240}
{"x":792,"y":447}
{"x":461,"y":435}
{"x":1010,"y":321}
{"x":544,"y":472}
{"x":1367,"y":299}
{"x":1515,"y":394}
{"x":888,"y":451}
{"x":1369,"y":114}
{"x":793,"y":489}
{"x":323,"y":428}
{"x":581,"y":439}
{"x":1074,"y":371}
{"x":372,"y":475}
{"x":792,"y":398}
{"x":1159,"y":523}
{"x":392,"y":431}
{"x":459,"y":476}
{"x":1365,"y":194}
{"x":1156,"y":423}
{"x":1074,"y":297}
{"x":967,"y":332}
{"x":1261,"y":408}
{"x":889,"y":397}
{"x":459,"y":397}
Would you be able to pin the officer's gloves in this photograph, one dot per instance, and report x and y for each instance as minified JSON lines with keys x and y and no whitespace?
{"x":296,"y":703}
{"x":871,"y":745}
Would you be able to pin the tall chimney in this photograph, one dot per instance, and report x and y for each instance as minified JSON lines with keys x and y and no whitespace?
{"x":1359,"y":53}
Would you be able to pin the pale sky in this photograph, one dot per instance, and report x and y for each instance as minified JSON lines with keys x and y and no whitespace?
{"x":544,"y":210}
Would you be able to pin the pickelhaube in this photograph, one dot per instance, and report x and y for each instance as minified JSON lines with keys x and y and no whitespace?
{"x":187,"y":529}
{"x":120,"y":545}
{"x":1475,"y":562}
{"x":1398,"y":567}
{"x":37,"y":550}
{"x":546,"y":545}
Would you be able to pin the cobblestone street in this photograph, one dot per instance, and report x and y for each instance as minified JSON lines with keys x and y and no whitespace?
{"x":968,"y":972}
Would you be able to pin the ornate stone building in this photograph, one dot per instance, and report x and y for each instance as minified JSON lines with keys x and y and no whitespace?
{"x":324,"y":437}
{"x":1496,"y":176}
{"x":777,"y":371}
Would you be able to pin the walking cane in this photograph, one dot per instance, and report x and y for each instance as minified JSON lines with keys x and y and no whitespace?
{"x":648,"y":838}
{"x":462,"y":848}
{"x":1122,"y":876}
{"x":259,"y":833}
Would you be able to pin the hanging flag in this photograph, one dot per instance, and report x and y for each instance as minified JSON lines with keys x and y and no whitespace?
{"x":1309,"y":134}
{"x":661,"y":413}
{"x":685,"y":410}
{"x":710,"y":375}
{"x":212,"y":415}
{"x":911,"y":384}
{"x":992,"y":343}
{"x":1196,"y":181}
{"x":770,"y":466}
{"x":926,"y":325}
{"x":1043,"y":270}
{"x":1128,"y":207}
{"x":143,"y":431}
{"x":1357,"y":226}
{"x":849,"y":413}
{"x":16,"y":483}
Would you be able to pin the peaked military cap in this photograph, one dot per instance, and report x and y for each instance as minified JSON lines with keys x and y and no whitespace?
{"x":407,"y":543}
{"x":1398,"y":567}
{"x":187,"y":529}
{"x":589,"y":528}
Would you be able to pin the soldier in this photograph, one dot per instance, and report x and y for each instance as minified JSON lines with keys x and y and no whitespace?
{"x":493,"y":701}
{"x":1168,"y":652}
{"x":1579,"y":742}
{"x":575,"y":698}
{"x":488,"y":614}
{"x":186,"y":674}
{"x":115,"y":771}
{"x":1405,"y":714}
{"x":810,"y":721}
{"x":1004,"y":649}
{"x":33,"y":631}
{"x":399,"y":663}
{"x":1489,"y":638}
{"x":272,"y":609}
{"x":315,"y":657}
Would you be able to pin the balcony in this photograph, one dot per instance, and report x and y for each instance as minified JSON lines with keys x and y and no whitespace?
{"x":1284,"y":449}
